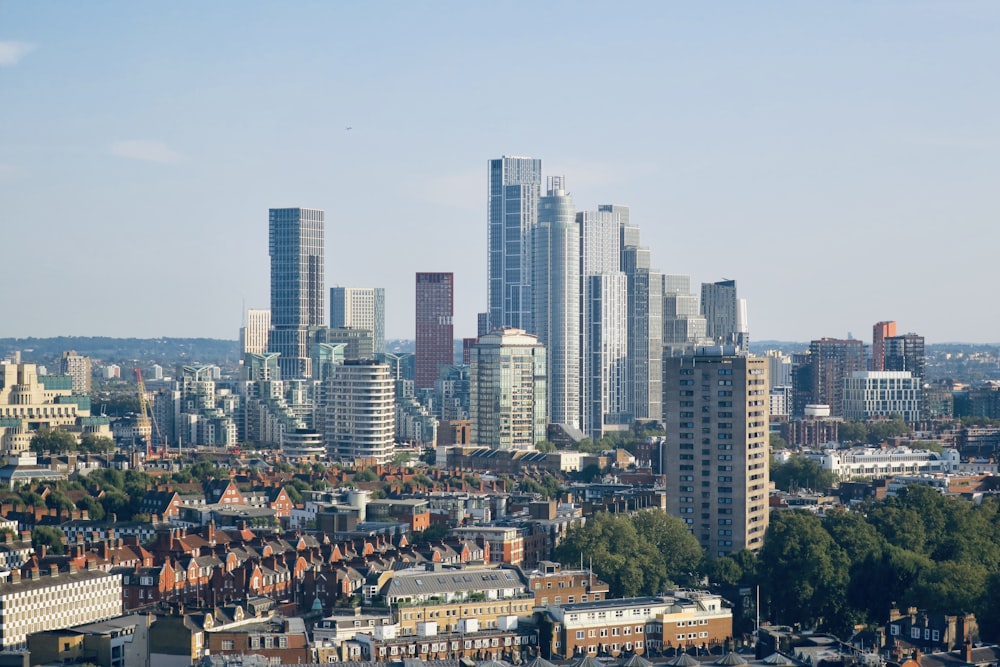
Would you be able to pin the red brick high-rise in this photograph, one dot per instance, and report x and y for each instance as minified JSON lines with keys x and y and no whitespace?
{"x":435,"y":335}
{"x":880,"y":332}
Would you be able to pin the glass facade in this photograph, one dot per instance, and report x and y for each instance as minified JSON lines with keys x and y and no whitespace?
{"x":514,"y":188}
{"x":556,"y":295}
{"x":297,"y":285}
{"x":507,"y":406}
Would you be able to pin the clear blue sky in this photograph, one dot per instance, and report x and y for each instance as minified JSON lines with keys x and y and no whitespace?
{"x":838,"y":159}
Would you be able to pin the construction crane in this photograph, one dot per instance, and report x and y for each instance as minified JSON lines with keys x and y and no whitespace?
{"x":146,"y":422}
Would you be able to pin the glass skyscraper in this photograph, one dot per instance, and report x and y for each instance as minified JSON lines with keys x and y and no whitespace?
{"x":556,"y":296}
{"x":604,"y":334}
{"x":514,"y":188}
{"x":297,"y":287}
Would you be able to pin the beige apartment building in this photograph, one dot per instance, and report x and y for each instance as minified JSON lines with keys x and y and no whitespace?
{"x":634,"y":625}
{"x":716,"y":457}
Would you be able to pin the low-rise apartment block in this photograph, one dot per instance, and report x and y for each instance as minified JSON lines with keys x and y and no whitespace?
{"x":682,"y":619}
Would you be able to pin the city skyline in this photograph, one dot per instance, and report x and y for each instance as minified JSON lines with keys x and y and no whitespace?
{"x":850,"y":147}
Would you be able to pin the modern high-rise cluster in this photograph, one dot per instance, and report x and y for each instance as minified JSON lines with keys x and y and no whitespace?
{"x":580,"y":338}
{"x":620,"y":343}
{"x":585,"y":287}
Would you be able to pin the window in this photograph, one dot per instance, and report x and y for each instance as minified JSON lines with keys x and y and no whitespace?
{"x":579,"y":634}
{"x":228,"y":645}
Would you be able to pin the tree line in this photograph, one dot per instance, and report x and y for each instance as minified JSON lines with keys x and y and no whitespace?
{"x":833,"y":573}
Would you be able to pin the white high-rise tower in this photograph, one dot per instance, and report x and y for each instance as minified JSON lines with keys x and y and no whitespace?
{"x":556,"y":295}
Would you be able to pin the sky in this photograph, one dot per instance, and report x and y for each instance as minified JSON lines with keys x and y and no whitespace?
{"x":837,"y":159}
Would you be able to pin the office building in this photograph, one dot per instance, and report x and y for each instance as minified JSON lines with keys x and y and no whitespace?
{"x":514,"y":189}
{"x":556,"y":295}
{"x":360,"y":308}
{"x":50,"y":599}
{"x":645,"y":323}
{"x":435,"y":335}
{"x":716,"y":462}
{"x":725,"y":314}
{"x":254,"y":334}
{"x":604,"y":386}
{"x":507,"y":404}
{"x":873,"y":394}
{"x":684,"y":327}
{"x":906,"y":353}
{"x":818,"y":377}
{"x":30,"y":402}
{"x":779,"y":368}
{"x":297,"y":287}
{"x":360,"y":407}
{"x":78,"y":368}
{"x":881,"y":331}
{"x":357,"y":343}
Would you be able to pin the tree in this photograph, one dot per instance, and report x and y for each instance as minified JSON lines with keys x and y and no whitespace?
{"x":950,"y":587}
{"x":93,"y":508}
{"x":804,"y":573}
{"x":800,"y":472}
{"x":115,"y":502}
{"x":366,"y":475}
{"x":53,"y":539}
{"x":880,"y":431}
{"x":545,"y":446}
{"x":901,"y":526}
{"x":853,"y":432}
{"x":434,"y":533}
{"x":777,"y":442}
{"x":722,"y":570}
{"x":96,"y":444}
{"x":53,"y":441}
{"x":400,"y":459}
{"x":629,"y":563}
{"x":678,"y":548}
{"x":59,"y":502}
{"x":854,"y":535}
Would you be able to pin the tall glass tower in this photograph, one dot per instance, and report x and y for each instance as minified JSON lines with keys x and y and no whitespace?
{"x":297,"y":288}
{"x":514,"y":187}
{"x":604,"y":340}
{"x":556,"y":300}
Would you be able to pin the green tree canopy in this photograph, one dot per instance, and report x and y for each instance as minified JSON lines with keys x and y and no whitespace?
{"x":620,"y":556}
{"x":678,"y":548}
{"x":804,"y":573}
{"x":53,"y":441}
{"x":50,"y":537}
{"x":96,"y":444}
{"x":640,"y":554}
{"x":800,"y":472}
{"x":545,"y":446}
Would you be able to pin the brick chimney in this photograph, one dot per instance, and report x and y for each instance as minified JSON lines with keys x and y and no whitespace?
{"x":53,"y":570}
{"x":967,"y":651}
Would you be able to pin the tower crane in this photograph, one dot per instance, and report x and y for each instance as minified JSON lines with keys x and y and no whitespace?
{"x":146,"y":422}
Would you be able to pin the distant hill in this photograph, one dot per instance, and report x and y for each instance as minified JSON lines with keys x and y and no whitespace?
{"x":163,"y":351}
